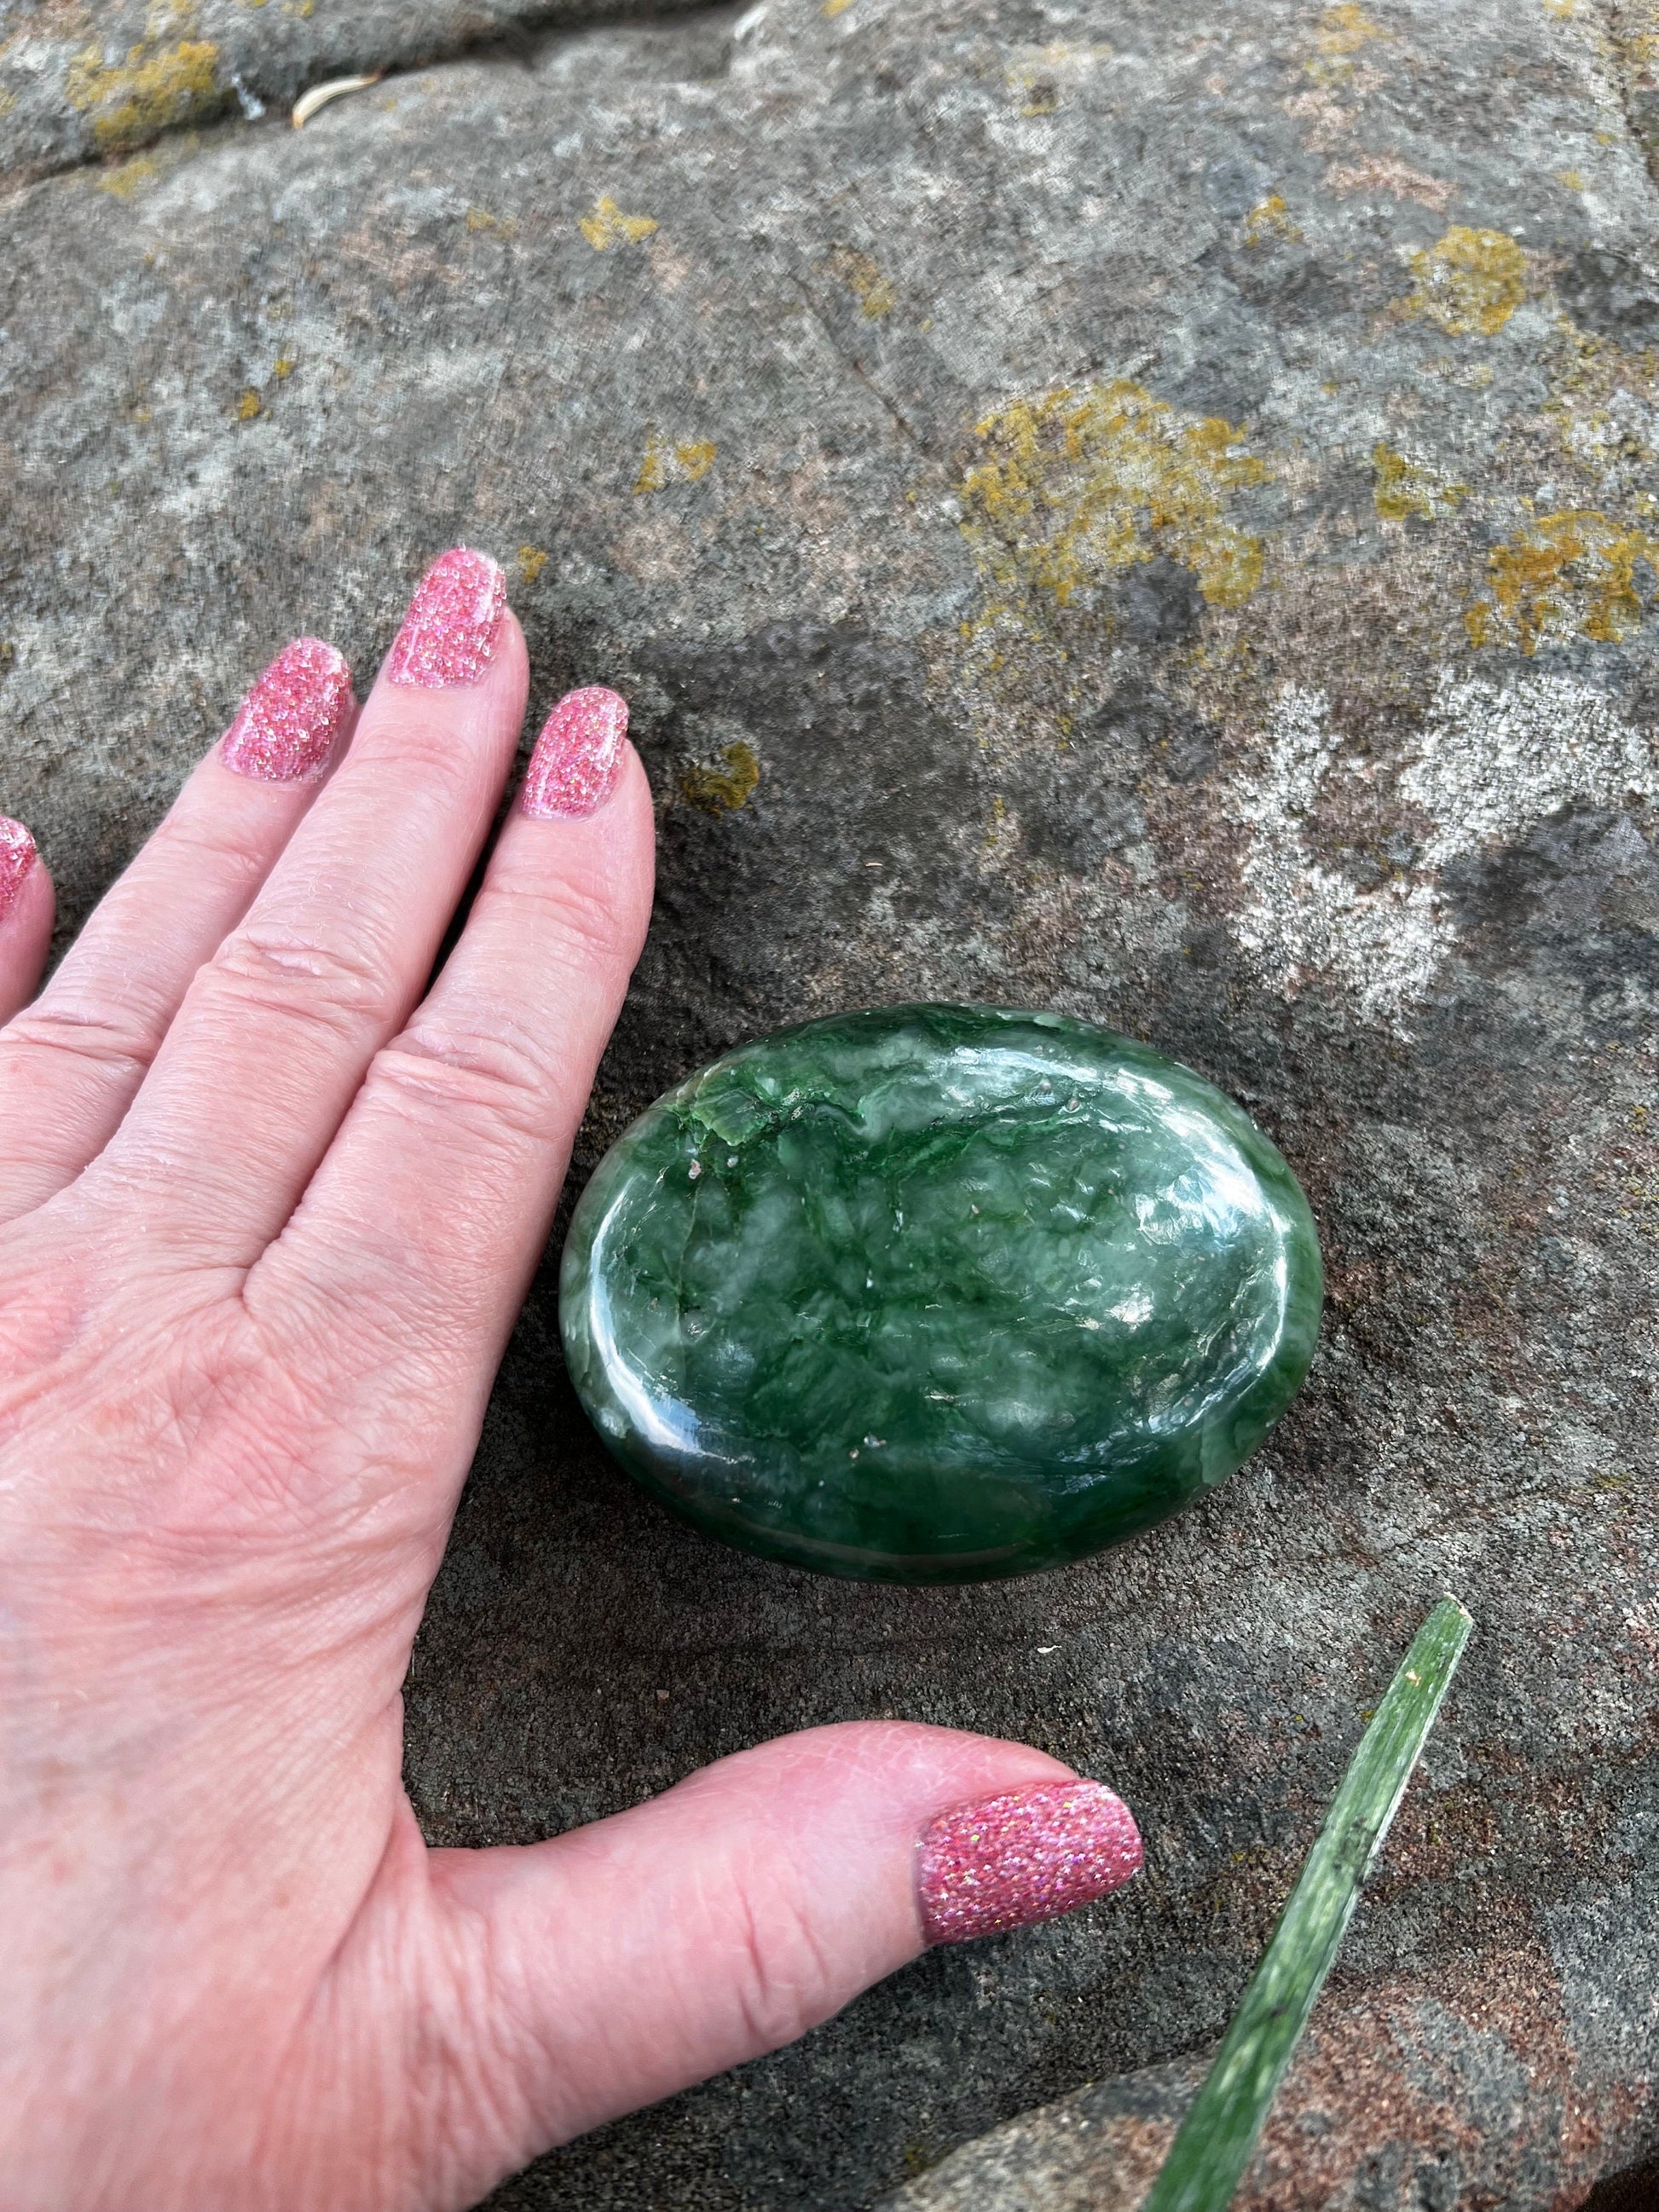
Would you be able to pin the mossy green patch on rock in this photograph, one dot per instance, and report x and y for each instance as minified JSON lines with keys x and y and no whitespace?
{"x":724,"y":784}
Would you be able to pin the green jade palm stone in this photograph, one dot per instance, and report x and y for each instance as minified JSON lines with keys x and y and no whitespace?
{"x":934,"y":1293}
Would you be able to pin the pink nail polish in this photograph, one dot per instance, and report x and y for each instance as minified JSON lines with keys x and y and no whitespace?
{"x":16,"y":859}
{"x":449,"y":634}
{"x":1010,"y":1862}
{"x":291,"y":720}
{"x":578,"y":756}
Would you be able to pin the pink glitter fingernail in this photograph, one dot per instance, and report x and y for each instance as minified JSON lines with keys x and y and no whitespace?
{"x":291,"y":720}
{"x":578,"y":756}
{"x":1012,"y":1861}
{"x":16,"y":859}
{"x":449,"y":634}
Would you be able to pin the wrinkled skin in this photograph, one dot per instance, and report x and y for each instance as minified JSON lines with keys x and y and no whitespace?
{"x":269,"y":1201}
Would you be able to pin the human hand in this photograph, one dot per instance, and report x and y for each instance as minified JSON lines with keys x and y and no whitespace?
{"x":268,"y":1207}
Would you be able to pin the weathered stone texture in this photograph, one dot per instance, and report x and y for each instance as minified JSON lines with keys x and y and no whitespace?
{"x":90,"y":80}
{"x":1433,"y":2089}
{"x":1144,"y":511}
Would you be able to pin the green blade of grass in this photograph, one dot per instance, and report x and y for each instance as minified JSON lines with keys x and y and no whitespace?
{"x":1209,"y":2155}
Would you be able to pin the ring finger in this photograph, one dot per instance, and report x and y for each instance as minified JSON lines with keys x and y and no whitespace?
{"x":70,"y":1062}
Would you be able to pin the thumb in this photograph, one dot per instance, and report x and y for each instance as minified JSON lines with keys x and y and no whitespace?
{"x":624,"y":1960}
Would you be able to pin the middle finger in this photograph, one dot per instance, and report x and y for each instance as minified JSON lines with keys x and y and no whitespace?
{"x":274,"y":1036}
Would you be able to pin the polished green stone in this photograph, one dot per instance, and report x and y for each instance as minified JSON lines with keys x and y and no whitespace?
{"x":933,"y":1293}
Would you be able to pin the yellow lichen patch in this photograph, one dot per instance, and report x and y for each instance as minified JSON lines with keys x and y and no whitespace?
{"x":1470,"y":375}
{"x":480,"y":218}
{"x":608,"y":226}
{"x":1565,"y":574}
{"x":1635,"y":29}
{"x":722,"y":785}
{"x":1469,"y":281}
{"x":532,"y":561}
{"x":859,"y":273}
{"x":1269,"y":220}
{"x":1080,"y":484}
{"x":836,"y":7}
{"x":663,"y":462}
{"x":1572,"y":180}
{"x":1405,"y":487}
{"x":130,"y":176}
{"x":1342,"y":32}
{"x":997,"y":837}
{"x":1346,"y":29}
{"x":126,"y":176}
{"x":146,"y":94}
{"x":1563,"y":10}
{"x":249,"y":405}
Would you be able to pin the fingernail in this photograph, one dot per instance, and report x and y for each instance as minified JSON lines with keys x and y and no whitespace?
{"x":290,"y":721}
{"x":16,"y":859}
{"x":1010,"y":1862}
{"x":454,"y":621}
{"x":578,"y":756}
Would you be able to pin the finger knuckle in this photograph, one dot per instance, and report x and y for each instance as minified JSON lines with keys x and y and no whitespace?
{"x":783,"y":1981}
{"x":181,"y":848}
{"x":96,"y":1030}
{"x":495,"y":1081}
{"x":425,"y":751}
{"x":581,"y":919}
{"x":300,"y":977}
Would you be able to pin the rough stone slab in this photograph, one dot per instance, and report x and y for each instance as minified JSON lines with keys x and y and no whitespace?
{"x":1102,"y":2148}
{"x":90,"y":80}
{"x":849,"y":393}
{"x":1436,"y":2090}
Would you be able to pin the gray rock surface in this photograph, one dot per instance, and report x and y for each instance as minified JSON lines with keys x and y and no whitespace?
{"x":1431,"y":2093}
{"x":1144,"y":511}
{"x":92,"y":80}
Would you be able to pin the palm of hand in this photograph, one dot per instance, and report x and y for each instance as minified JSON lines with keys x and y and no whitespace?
{"x":268,"y":1207}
